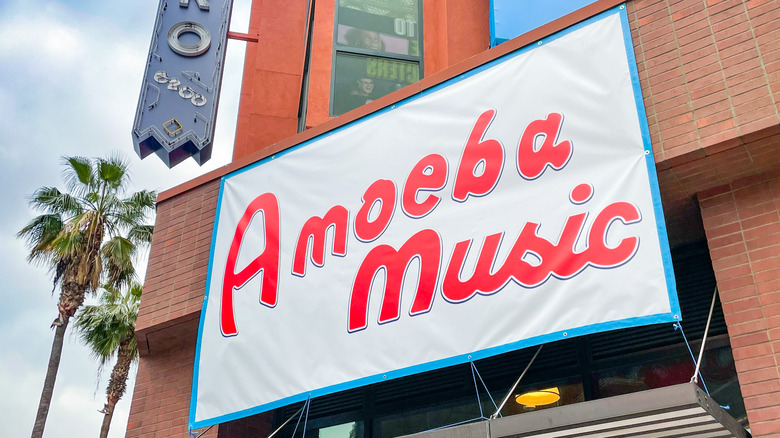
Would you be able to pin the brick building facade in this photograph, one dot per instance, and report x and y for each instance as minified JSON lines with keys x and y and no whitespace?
{"x":710,"y":77}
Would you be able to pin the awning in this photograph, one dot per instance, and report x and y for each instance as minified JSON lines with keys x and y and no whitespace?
{"x":674,"y":411}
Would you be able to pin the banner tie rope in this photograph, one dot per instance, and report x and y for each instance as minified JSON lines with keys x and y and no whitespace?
{"x":678,"y":326}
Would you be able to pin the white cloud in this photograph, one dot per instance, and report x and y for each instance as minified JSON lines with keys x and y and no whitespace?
{"x":16,"y":380}
{"x":43,"y":38}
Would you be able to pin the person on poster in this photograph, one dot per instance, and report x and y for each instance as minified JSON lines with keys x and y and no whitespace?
{"x":364,"y":39}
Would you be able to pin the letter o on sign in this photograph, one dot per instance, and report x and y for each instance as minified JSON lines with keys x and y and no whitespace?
{"x":189,"y":49}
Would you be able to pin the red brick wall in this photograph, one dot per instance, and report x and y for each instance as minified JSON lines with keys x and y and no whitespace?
{"x":178,"y":260}
{"x":742,"y":222}
{"x":166,"y":329}
{"x":161,"y":399}
{"x":710,"y":70}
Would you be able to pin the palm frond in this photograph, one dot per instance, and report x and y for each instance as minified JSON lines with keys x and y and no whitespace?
{"x":78,"y":175}
{"x":144,"y":199}
{"x":39,"y":234}
{"x":92,"y":199}
{"x":135,"y":209}
{"x":141,"y":234}
{"x":68,"y":241}
{"x":112,"y":170}
{"x":51,"y":200}
{"x":117,"y":254}
{"x":111,"y":294}
{"x":136,"y":290}
{"x":105,"y":326}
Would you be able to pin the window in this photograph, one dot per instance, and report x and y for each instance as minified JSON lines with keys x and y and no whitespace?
{"x":353,"y":429}
{"x":377,"y":50}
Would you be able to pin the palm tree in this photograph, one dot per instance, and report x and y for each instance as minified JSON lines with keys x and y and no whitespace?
{"x":108,"y":330}
{"x":87,"y":236}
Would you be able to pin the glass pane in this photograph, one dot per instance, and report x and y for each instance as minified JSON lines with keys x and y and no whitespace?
{"x":640,"y":377}
{"x":362,"y":79}
{"x":717,"y":368}
{"x":389,"y":26}
{"x":346,"y":430}
{"x":720,"y":375}
{"x":444,"y":414}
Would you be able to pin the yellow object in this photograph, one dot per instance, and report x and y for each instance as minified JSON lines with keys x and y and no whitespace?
{"x":539,"y":398}
{"x":174,"y":124}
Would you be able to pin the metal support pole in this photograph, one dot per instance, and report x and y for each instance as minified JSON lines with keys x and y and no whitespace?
{"x":512,"y":389}
{"x":287,"y":421}
{"x":695,"y":378}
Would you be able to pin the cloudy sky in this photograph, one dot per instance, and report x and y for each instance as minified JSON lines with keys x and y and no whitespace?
{"x":70,"y":75}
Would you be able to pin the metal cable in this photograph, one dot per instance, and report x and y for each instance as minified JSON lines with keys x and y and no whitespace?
{"x":306,"y":408}
{"x":484,"y":386}
{"x":286,"y":421}
{"x":476,"y":388}
{"x":305,"y":421}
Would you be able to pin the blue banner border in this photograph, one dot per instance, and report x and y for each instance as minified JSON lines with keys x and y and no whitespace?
{"x":674,"y":315}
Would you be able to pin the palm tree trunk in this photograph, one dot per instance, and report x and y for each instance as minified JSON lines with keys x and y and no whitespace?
{"x":117,"y":383}
{"x":109,"y":414}
{"x":51,"y":376}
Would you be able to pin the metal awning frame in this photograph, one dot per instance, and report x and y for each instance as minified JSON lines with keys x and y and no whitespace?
{"x":673,"y":411}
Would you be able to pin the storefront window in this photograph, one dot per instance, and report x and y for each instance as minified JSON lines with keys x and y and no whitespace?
{"x":431,"y":417}
{"x":377,"y":50}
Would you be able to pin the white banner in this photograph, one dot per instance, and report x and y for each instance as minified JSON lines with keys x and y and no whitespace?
{"x":512,"y":206}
